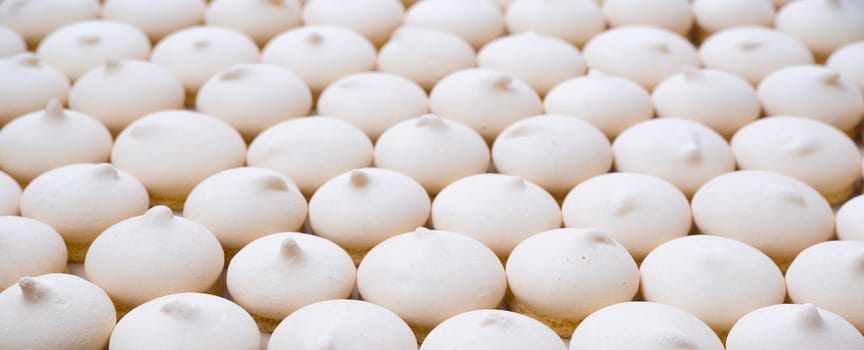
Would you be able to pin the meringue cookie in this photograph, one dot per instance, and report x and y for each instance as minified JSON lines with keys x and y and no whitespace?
{"x":374,"y":19}
{"x":11,"y":43}
{"x":55,"y":311}
{"x":156,"y":18}
{"x":10,"y":195}
{"x":847,"y":61}
{"x":240,"y":205}
{"x":830,"y":275}
{"x":638,"y":211}
{"x":311,"y":150}
{"x":646,"y":55}
{"x":40,"y":141}
{"x":793,"y":327}
{"x":752,"y":52}
{"x":539,"y":60}
{"x":681,"y":151}
{"x":253,"y":97}
{"x":715,"y":278}
{"x":28,"y":248}
{"x":575,"y":21}
{"x":849,"y":221}
{"x":478,"y":22}
{"x":186,"y":321}
{"x":492,"y":330}
{"x":803,"y":148}
{"x":343,"y":325}
{"x":81,"y":201}
{"x":363,"y":207}
{"x":673,"y":15}
{"x":121,"y":91}
{"x":197,"y":53}
{"x":610,"y":103}
{"x":432,"y":150}
{"x":456,"y":274}
{"x":484,"y":99}
{"x":824,"y":25}
{"x":555,"y":152}
{"x":260,"y":20}
{"x":715,"y":15}
{"x":717,"y":99}
{"x":744,"y":205}
{"x":498,"y":210}
{"x":644,"y":326}
{"x":547,"y":270}
{"x":373,"y":101}
{"x":79,"y":47}
{"x":36,"y":19}
{"x":814,"y":92}
{"x":155,"y":254}
{"x":425,"y":55}
{"x":28,"y":85}
{"x":321,"y":54}
{"x":189,"y":145}
{"x":275,"y":275}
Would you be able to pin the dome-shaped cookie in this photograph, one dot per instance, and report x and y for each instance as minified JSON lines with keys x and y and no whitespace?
{"x":10,"y":195}
{"x":425,"y":55}
{"x":492,"y":330}
{"x":36,"y":19}
{"x":374,"y":19}
{"x":824,"y":25}
{"x":28,"y":85}
{"x":575,"y":21}
{"x":260,"y":20}
{"x":846,"y":60}
{"x":11,"y":43}
{"x":752,"y":52}
{"x":478,"y":22}
{"x":157,"y":18}
{"x":28,"y":248}
{"x":673,"y":15}
{"x":793,"y":327}
{"x":849,"y":220}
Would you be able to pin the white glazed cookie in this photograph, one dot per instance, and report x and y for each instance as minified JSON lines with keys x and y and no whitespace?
{"x":715,"y":278}
{"x":28,"y":85}
{"x":189,"y":145}
{"x":432,"y":150}
{"x":484,"y":99}
{"x":681,"y":151}
{"x":55,"y":311}
{"x":312,"y":150}
{"x":793,"y":327}
{"x":79,"y":47}
{"x":715,"y":15}
{"x":373,"y":101}
{"x":646,"y":55}
{"x":374,"y":19}
{"x":498,"y":210}
{"x":720,"y":100}
{"x":11,"y":43}
{"x":254,"y":97}
{"x":847,"y":61}
{"x":275,"y":275}
{"x":556,"y":152}
{"x":36,"y":19}
{"x":610,"y":103}
{"x":673,"y":15}
{"x":195,"y":54}
{"x":815,"y":92}
{"x":343,"y":325}
{"x":321,"y":54}
{"x":10,"y":195}
{"x":186,"y":321}
{"x":81,"y":201}
{"x":752,"y":52}
{"x":638,"y":211}
{"x":260,"y":20}
{"x":575,"y":21}
{"x":360,"y":208}
{"x":830,"y":275}
{"x":803,"y":148}
{"x":456,"y":274}
{"x":644,"y":326}
{"x":478,"y":22}
{"x":850,"y":221}
{"x":40,"y":141}
{"x":157,"y":18}
{"x":548,"y":269}
{"x":824,"y":25}
{"x":492,"y":330}
{"x":28,"y":248}
{"x":240,"y":205}
{"x":155,"y":254}
{"x":425,"y":55}
{"x":541,"y":61}
{"x":105,"y":92}
{"x":744,"y":205}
